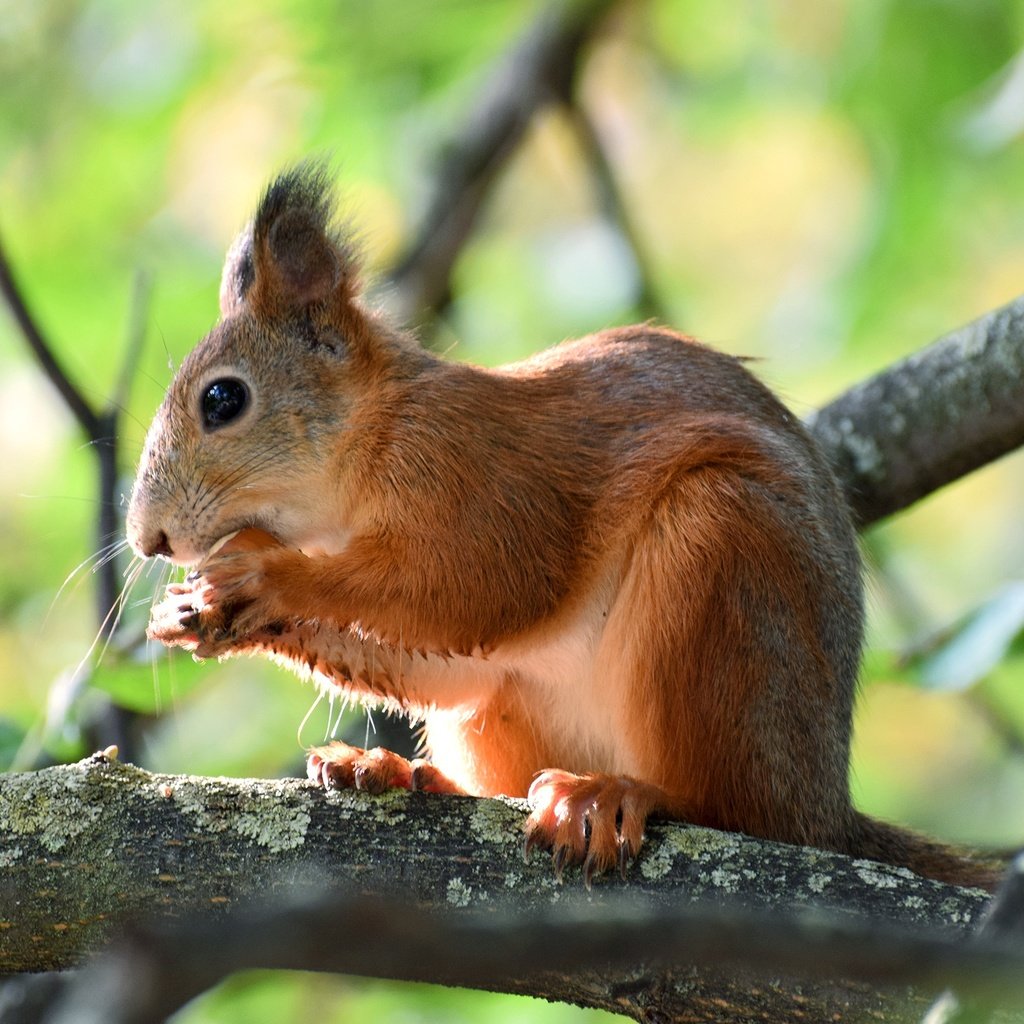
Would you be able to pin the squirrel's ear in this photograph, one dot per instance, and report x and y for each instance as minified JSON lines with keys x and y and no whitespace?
{"x":298,"y":262}
{"x":238,"y":274}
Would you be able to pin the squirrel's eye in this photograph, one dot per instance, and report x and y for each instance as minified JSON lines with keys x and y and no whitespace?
{"x":222,"y":401}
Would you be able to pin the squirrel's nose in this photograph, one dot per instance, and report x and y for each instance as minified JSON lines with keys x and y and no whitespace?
{"x":159,"y":545}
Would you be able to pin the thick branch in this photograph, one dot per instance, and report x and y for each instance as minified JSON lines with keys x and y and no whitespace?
{"x":929,"y":419}
{"x":85,"y":847}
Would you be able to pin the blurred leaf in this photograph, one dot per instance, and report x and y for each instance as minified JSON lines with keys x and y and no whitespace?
{"x":288,"y":996}
{"x":150,"y":687}
{"x":979,"y":645}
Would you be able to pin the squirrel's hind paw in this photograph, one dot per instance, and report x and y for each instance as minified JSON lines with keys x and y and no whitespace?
{"x":592,"y":819}
{"x":340,"y":766}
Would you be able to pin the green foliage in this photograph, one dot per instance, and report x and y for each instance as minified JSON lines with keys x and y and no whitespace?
{"x":825,"y":186}
{"x":260,"y":996}
{"x":142,"y":687}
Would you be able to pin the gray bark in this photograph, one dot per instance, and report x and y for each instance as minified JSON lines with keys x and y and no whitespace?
{"x":930,"y":418}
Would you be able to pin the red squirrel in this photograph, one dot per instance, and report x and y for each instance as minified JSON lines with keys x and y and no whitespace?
{"x":618,"y":577}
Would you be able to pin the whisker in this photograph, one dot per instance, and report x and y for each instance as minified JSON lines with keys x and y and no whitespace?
{"x":118,"y":608}
{"x":330,"y":714}
{"x":97,"y":559}
{"x":102,"y":633}
{"x":113,"y":550}
{"x":312,"y":708}
{"x":100,"y":557}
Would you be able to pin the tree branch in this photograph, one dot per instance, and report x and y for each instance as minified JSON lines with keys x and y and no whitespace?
{"x":539,"y":69}
{"x":87,"y":417}
{"x":613,"y":207}
{"x":86,"y":847}
{"x":158,"y":970}
{"x":135,"y":338}
{"x":930,"y":418}
{"x":101,"y":427}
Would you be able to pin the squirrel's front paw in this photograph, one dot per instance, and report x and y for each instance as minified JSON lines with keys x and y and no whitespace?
{"x":187,"y":618}
{"x":228,"y":598}
{"x":173,"y":620}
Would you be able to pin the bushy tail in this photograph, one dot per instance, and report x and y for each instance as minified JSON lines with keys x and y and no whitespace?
{"x":893,"y":845}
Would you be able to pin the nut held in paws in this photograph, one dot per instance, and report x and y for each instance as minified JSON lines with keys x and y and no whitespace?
{"x":249,"y":539}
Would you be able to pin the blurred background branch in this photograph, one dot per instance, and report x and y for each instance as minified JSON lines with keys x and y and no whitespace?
{"x":737,"y":963}
{"x":88,"y":420}
{"x":108,"y":722}
{"x":539,"y":70}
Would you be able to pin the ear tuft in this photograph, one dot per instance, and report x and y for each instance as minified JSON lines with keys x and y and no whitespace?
{"x":297,"y":259}
{"x":303,"y":257}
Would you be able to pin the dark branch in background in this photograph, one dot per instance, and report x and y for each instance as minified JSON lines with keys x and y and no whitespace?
{"x":540,"y":69}
{"x":135,"y":339}
{"x":892,"y":440}
{"x":107,"y":446}
{"x":614,"y":209}
{"x":930,"y":419}
{"x":112,"y":722}
{"x":88,"y":420}
{"x":155,"y":972}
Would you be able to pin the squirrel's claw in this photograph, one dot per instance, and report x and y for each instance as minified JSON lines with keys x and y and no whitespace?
{"x":172,"y":620}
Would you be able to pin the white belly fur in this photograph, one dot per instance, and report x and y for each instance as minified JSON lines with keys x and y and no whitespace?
{"x":558,"y":676}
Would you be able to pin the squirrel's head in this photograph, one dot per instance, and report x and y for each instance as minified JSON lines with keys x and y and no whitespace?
{"x":251,"y":429}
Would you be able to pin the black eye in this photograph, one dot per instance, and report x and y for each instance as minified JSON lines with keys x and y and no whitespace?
{"x":223,"y":401}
